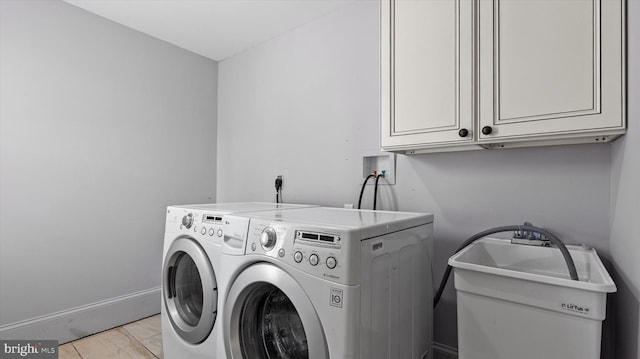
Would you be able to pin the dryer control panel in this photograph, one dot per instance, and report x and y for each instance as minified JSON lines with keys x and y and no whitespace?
{"x":198,"y":224}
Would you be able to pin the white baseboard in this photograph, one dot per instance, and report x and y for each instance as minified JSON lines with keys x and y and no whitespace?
{"x":75,"y":323}
{"x":444,"y":351}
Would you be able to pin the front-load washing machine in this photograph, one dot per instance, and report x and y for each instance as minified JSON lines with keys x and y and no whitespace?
{"x":327,"y":283}
{"x":193,"y":235}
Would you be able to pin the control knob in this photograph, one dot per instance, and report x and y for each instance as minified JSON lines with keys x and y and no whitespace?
{"x":268,"y":238}
{"x":331,"y":262}
{"x":187,"y":220}
{"x":313,"y":259}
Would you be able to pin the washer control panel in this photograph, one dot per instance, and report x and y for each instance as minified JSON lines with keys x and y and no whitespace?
{"x":318,"y":252}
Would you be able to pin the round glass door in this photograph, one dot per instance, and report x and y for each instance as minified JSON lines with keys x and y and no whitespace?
{"x":189,"y":290}
{"x":270,"y":326}
{"x":267,"y":315}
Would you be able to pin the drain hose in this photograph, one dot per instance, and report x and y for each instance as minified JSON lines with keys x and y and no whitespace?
{"x":552,"y":238}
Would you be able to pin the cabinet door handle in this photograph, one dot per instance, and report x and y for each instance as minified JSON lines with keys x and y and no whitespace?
{"x":463,"y":132}
{"x":486,"y":130}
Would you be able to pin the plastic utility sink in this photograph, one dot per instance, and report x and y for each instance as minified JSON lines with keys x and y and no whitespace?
{"x":518,"y":301}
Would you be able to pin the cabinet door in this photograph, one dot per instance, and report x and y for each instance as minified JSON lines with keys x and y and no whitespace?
{"x":550,"y":67}
{"x":426,"y":73}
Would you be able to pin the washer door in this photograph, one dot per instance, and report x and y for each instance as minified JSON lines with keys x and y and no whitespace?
{"x":190,"y":290}
{"x":267,"y":315}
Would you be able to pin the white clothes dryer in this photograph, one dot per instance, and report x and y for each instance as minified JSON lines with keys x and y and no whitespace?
{"x":191,"y":253}
{"x":323,"y":283}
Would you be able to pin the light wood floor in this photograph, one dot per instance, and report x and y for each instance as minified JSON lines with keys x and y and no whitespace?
{"x":141,"y":339}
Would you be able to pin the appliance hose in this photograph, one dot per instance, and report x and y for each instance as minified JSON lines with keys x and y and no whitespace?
{"x":363,"y":187}
{"x":375,"y":191}
{"x":552,"y":238}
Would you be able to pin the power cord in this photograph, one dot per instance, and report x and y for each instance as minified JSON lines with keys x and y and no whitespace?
{"x":278,"y":186}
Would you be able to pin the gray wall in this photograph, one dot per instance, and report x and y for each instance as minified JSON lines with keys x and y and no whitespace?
{"x":306,"y":105}
{"x":101,"y":128}
{"x":625,"y":204}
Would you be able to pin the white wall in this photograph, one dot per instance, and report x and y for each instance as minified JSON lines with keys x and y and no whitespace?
{"x":101,"y":128}
{"x":625,"y":203}
{"x":306,"y":105}
{"x":303,"y":106}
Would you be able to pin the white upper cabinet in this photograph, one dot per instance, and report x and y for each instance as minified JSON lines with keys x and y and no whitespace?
{"x":463,"y":74}
{"x":427,"y":72}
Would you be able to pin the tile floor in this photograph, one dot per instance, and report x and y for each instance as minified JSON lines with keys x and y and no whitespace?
{"x":141,"y":339}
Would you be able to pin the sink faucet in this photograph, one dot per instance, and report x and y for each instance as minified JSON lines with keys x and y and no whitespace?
{"x":530,"y":238}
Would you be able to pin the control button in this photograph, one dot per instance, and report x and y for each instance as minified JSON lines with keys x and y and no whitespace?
{"x":187,"y":220}
{"x":297,"y":256}
{"x":253,"y":247}
{"x":281,"y":252}
{"x":219,"y":232}
{"x":268,"y":238}
{"x":331,"y":262}
{"x":211,"y":232}
{"x":203,"y":231}
{"x":313,"y":259}
{"x":195,"y":229}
